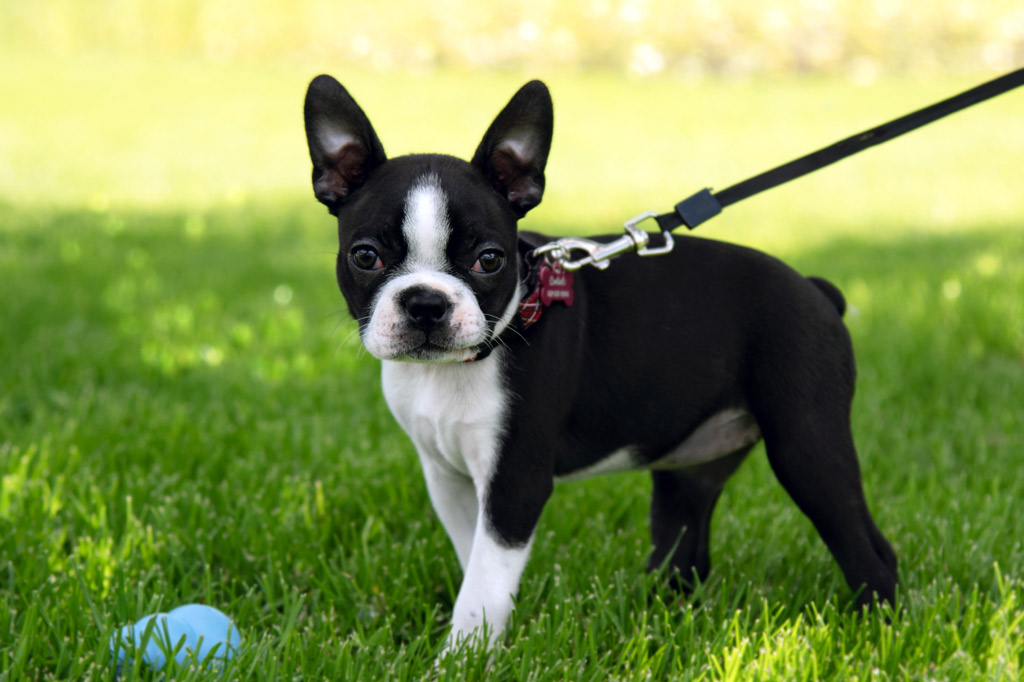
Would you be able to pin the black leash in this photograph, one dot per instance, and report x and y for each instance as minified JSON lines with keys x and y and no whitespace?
{"x":704,"y":205}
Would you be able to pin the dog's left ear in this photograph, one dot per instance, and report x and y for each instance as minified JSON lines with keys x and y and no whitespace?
{"x":515,"y":148}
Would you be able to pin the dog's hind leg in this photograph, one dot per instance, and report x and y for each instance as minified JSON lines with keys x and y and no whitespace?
{"x":817,"y":465}
{"x":681,"y":507}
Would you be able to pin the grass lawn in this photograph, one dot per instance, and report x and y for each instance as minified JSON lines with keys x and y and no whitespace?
{"x":186,"y":415}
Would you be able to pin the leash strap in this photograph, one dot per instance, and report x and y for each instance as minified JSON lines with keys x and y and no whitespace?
{"x":705,"y":205}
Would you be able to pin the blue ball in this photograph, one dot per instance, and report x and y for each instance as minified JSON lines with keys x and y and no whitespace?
{"x":203,"y":632}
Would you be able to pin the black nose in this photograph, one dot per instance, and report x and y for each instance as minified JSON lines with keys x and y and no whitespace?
{"x":424,"y":307}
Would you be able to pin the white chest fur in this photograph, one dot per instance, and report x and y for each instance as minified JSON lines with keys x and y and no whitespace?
{"x":454,"y":412}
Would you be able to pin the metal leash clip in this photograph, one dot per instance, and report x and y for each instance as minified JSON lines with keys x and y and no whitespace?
{"x":600,"y":254}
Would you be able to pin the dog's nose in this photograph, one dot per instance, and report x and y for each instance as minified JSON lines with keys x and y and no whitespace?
{"x":425,"y":307}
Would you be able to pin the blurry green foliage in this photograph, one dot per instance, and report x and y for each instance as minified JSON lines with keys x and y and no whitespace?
{"x":689,"y":37}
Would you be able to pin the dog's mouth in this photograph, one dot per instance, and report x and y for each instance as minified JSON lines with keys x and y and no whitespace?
{"x":429,"y":352}
{"x":417,"y":346}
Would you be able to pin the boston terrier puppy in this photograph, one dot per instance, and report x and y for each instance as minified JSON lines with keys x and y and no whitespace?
{"x":509,"y":377}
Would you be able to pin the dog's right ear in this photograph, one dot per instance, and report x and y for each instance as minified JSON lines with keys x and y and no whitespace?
{"x":342,"y":143}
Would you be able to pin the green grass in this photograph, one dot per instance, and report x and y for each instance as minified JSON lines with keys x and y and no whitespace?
{"x":185,"y":414}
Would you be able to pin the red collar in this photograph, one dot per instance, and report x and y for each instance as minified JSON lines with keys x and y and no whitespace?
{"x":530,"y":308}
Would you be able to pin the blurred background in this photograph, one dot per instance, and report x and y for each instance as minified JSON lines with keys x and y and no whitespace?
{"x":688,"y":38}
{"x":198,"y":103}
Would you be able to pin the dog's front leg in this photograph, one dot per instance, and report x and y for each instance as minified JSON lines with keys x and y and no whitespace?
{"x":488,"y":588}
{"x":502,"y":539}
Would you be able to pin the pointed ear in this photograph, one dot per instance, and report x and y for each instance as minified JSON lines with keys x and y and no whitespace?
{"x":514,"y":150}
{"x":342,"y":144}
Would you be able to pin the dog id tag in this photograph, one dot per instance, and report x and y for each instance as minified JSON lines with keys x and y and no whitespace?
{"x":555,"y":284}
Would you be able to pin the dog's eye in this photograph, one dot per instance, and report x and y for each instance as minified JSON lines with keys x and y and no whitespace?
{"x":366,"y":258}
{"x":489,"y":262}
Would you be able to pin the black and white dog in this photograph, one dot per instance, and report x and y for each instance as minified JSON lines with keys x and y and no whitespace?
{"x":675,"y":365}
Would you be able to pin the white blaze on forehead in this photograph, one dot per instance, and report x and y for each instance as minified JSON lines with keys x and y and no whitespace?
{"x":426,"y":228}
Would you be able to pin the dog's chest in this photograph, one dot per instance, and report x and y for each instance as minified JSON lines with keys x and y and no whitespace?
{"x":454,"y":413}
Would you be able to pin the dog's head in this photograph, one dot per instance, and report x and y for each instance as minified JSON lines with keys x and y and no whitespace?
{"x":428,"y":259}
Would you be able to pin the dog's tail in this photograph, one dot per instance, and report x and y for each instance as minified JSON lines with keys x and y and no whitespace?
{"x":831,"y":292}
